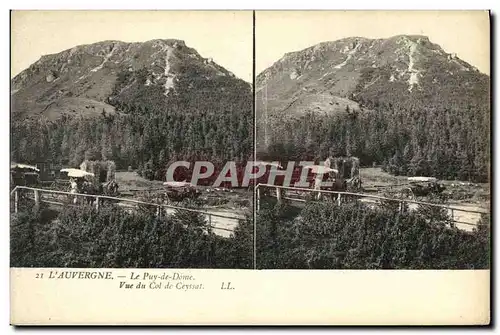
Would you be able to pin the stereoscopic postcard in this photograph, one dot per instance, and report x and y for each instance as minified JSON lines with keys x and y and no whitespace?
{"x":250,"y":168}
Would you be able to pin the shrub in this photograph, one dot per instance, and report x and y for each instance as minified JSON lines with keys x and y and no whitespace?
{"x":354,"y":236}
{"x":114,"y":238}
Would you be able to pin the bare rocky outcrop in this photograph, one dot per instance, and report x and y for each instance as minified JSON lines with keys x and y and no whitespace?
{"x":94,"y":71}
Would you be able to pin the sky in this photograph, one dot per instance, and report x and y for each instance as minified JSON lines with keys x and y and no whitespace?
{"x":224,"y":36}
{"x":465,"y":33}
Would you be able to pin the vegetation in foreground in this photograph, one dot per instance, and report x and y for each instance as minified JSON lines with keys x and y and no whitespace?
{"x":319,"y":236}
{"x":113,"y":238}
{"x":354,"y":236}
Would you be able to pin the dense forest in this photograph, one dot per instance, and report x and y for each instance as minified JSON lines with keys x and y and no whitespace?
{"x":442,"y":143}
{"x":420,"y":134}
{"x":114,"y":238}
{"x":213,"y":123}
{"x":354,"y":236}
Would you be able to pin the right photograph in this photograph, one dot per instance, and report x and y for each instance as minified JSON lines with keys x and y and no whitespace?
{"x":372,"y":139}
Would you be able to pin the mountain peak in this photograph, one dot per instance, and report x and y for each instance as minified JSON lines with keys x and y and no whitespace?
{"x":412,"y":37}
{"x":106,"y":69}
{"x":170,"y":42}
{"x":329,"y":76}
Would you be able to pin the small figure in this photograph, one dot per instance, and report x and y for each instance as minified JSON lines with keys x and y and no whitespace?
{"x":74,"y":189}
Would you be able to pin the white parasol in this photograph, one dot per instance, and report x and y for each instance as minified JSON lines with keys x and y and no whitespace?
{"x":77,"y":173}
{"x":422,"y":179}
{"x":24,"y":166}
{"x":177,"y":184}
{"x":258,"y":163}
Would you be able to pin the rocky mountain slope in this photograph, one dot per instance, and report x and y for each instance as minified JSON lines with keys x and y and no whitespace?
{"x":90,"y":79}
{"x":358,"y":73}
{"x":142,"y":105}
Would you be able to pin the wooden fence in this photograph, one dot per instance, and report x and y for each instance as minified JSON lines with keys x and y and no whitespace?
{"x":340,"y":195}
{"x":38,"y":198}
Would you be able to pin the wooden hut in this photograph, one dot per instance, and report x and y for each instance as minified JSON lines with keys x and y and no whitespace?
{"x":348,"y":170}
{"x":24,"y":175}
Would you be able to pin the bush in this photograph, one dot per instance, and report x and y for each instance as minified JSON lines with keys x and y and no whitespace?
{"x":114,"y":238}
{"x":354,"y":236}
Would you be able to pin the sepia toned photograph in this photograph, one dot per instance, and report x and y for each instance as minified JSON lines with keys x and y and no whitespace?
{"x":248,"y":166}
{"x":374,"y":127}
{"x":102,"y":104}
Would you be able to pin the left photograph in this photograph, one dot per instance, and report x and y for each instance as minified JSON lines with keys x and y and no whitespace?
{"x":130,"y":134}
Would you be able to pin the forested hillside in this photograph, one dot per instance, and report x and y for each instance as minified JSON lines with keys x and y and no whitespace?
{"x":218,"y":131}
{"x":445,"y":143}
{"x":402,"y":102}
{"x":139,"y":104}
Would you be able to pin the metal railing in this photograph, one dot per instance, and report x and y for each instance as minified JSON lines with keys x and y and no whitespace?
{"x":339,"y":195}
{"x":39,"y":191}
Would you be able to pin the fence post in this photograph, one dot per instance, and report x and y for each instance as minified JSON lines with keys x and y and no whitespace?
{"x":452,"y":215}
{"x":278,"y":194}
{"x":97,"y":203}
{"x":37,"y":198}
{"x":16,"y":201}
{"x":258,"y":198}
{"x":210,"y":220}
{"x":339,"y":199}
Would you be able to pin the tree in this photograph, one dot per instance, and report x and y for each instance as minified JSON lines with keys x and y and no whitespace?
{"x":106,"y":149}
